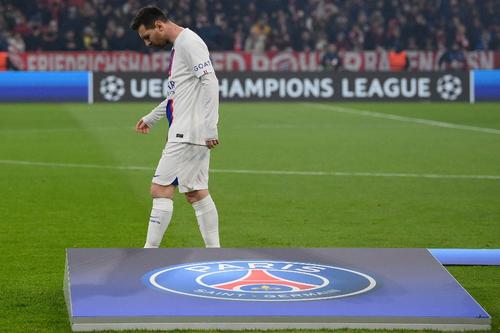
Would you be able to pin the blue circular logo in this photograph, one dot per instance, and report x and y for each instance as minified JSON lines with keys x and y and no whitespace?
{"x":259,"y":280}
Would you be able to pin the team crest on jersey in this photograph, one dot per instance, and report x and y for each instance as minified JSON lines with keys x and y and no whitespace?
{"x":170,"y":89}
{"x":258,"y":280}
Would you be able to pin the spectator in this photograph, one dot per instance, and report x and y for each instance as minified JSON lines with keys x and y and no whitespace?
{"x":453,"y":59}
{"x":34,"y":40}
{"x":70,"y":43}
{"x":238,"y":38}
{"x":256,"y":41}
{"x":72,"y":20}
{"x":118,"y":41}
{"x":331,"y":59}
{"x":495,"y":39}
{"x":50,"y":37}
{"x":90,"y":39}
{"x":461,"y":38}
{"x":4,"y":56}
{"x":16,"y":43}
{"x":262,"y":25}
{"x":225,"y":39}
{"x":398,"y":59}
{"x":4,"y":45}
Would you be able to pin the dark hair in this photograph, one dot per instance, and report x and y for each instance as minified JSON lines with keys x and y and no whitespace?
{"x":148,"y":16}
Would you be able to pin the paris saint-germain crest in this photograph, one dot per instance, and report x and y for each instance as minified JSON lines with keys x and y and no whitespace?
{"x":259,"y":280}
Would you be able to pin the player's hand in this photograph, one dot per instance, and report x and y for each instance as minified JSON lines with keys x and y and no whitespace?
{"x":142,"y":127}
{"x":211,"y":143}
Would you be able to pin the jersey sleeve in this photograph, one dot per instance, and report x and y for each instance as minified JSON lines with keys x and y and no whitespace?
{"x":210,"y":91}
{"x":198,"y":58}
{"x":156,"y":114}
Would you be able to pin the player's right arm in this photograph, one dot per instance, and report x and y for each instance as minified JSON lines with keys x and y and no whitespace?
{"x":146,"y":122}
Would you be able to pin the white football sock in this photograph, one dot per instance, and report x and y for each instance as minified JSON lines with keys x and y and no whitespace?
{"x":158,"y":222}
{"x":208,"y":221}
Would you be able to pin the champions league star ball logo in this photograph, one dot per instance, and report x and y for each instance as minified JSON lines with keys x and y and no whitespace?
{"x":449,"y":87}
{"x":260,"y":281}
{"x":112,"y":88}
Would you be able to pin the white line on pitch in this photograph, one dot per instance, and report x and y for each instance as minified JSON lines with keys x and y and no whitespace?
{"x":75,"y":165}
{"x":421,"y":121}
{"x":260,"y":172}
{"x":355,"y":174}
{"x":64,"y":129}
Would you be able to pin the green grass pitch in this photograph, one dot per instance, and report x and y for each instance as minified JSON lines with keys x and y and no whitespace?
{"x":368,"y":181}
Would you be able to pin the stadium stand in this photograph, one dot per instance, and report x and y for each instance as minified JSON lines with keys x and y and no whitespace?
{"x":271,"y":25}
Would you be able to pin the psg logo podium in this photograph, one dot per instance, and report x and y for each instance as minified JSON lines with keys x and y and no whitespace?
{"x":257,"y":280}
{"x":117,"y":289}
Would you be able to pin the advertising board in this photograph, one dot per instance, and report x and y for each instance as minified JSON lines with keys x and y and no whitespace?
{"x":318,"y":86}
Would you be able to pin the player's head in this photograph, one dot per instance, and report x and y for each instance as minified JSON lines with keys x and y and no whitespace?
{"x":151,"y":24}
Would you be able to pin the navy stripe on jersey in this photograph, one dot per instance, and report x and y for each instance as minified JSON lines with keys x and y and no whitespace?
{"x":170,"y":103}
{"x":170,"y":112}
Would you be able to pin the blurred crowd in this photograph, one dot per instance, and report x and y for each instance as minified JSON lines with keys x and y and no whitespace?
{"x":258,"y":25}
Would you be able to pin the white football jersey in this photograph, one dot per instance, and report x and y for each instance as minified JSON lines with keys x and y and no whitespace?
{"x":190,"y":120}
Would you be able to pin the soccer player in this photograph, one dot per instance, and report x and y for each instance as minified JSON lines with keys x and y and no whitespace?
{"x":191,"y":108}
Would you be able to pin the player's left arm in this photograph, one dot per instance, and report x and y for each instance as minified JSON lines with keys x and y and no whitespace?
{"x":201,"y":65}
{"x":210,"y":94}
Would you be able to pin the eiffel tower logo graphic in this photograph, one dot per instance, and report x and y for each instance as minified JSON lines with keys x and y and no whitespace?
{"x":261,"y":281}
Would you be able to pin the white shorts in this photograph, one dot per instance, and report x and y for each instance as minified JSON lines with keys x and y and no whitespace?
{"x":184,"y":165}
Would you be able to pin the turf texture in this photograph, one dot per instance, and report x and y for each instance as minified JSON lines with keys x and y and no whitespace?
{"x":285,"y":175}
